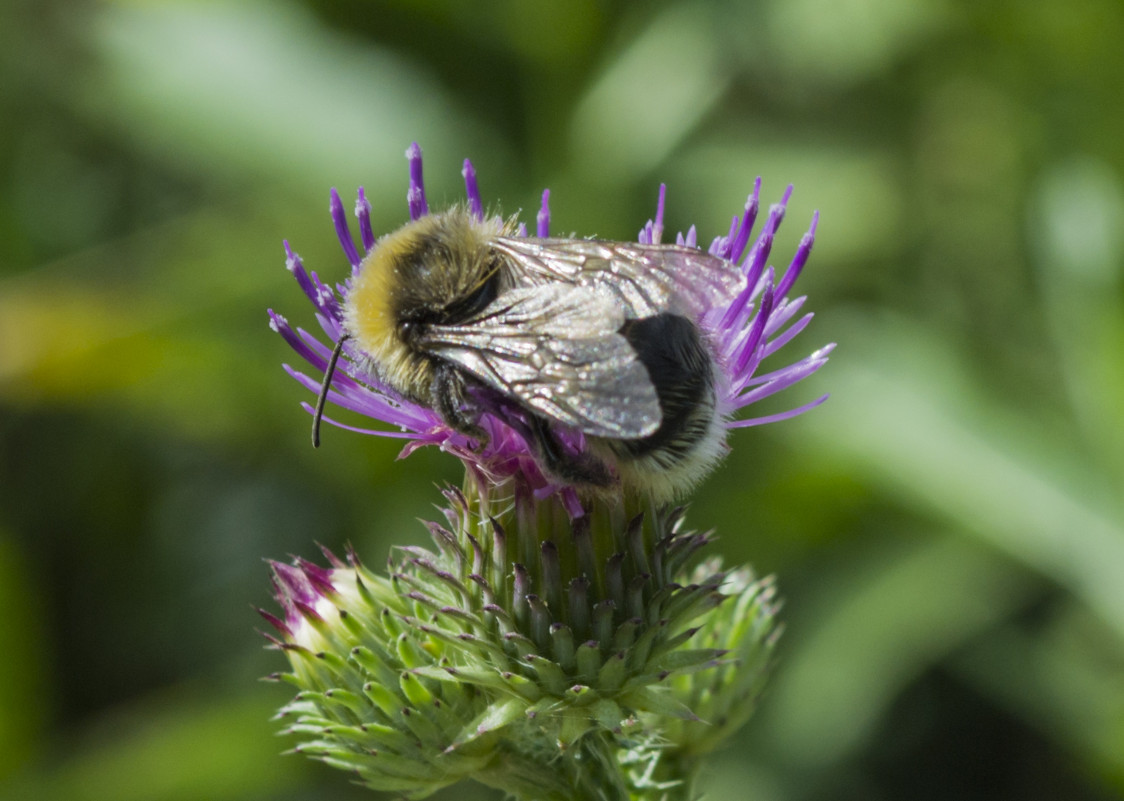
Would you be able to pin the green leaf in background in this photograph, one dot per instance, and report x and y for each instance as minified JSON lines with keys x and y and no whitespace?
{"x":24,"y":671}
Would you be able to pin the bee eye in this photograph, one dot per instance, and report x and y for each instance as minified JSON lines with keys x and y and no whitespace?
{"x":407,"y":329}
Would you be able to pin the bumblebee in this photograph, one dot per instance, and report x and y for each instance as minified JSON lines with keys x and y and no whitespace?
{"x":551,"y":336}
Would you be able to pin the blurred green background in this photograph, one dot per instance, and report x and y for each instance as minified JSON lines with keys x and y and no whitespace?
{"x":948,"y":529}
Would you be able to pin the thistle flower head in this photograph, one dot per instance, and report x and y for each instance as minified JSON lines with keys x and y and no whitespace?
{"x":743,"y":329}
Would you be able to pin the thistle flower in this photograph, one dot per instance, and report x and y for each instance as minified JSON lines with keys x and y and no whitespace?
{"x":744,"y":330}
{"x":553,"y":644}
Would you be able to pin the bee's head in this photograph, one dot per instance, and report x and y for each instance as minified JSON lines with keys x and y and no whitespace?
{"x":444,"y":269}
{"x":436,"y":270}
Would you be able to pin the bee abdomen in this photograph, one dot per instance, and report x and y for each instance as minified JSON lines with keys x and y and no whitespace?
{"x":681,"y":370}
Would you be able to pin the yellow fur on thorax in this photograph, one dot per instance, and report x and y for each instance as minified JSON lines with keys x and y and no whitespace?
{"x":369,"y":317}
{"x":370,"y":314}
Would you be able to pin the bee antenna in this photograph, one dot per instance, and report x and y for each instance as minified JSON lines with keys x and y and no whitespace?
{"x":323,"y":397}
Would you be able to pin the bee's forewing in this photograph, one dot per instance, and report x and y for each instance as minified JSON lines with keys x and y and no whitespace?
{"x":555,"y":349}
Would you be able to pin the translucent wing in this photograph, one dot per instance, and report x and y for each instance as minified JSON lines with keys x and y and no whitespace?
{"x":645,"y":279}
{"x":555,"y":349}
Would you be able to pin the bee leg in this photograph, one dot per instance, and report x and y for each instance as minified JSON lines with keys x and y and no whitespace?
{"x":583,"y":469}
{"x":449,"y":398}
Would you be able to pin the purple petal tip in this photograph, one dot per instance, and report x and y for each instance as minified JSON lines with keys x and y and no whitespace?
{"x":415,"y":195}
{"x":472,"y":190}
{"x":543,"y":219}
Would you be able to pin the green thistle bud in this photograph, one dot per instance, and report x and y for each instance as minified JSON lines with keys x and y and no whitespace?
{"x":724,"y":696}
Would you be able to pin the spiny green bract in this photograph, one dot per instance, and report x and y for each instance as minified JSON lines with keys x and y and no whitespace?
{"x":497,"y":652}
